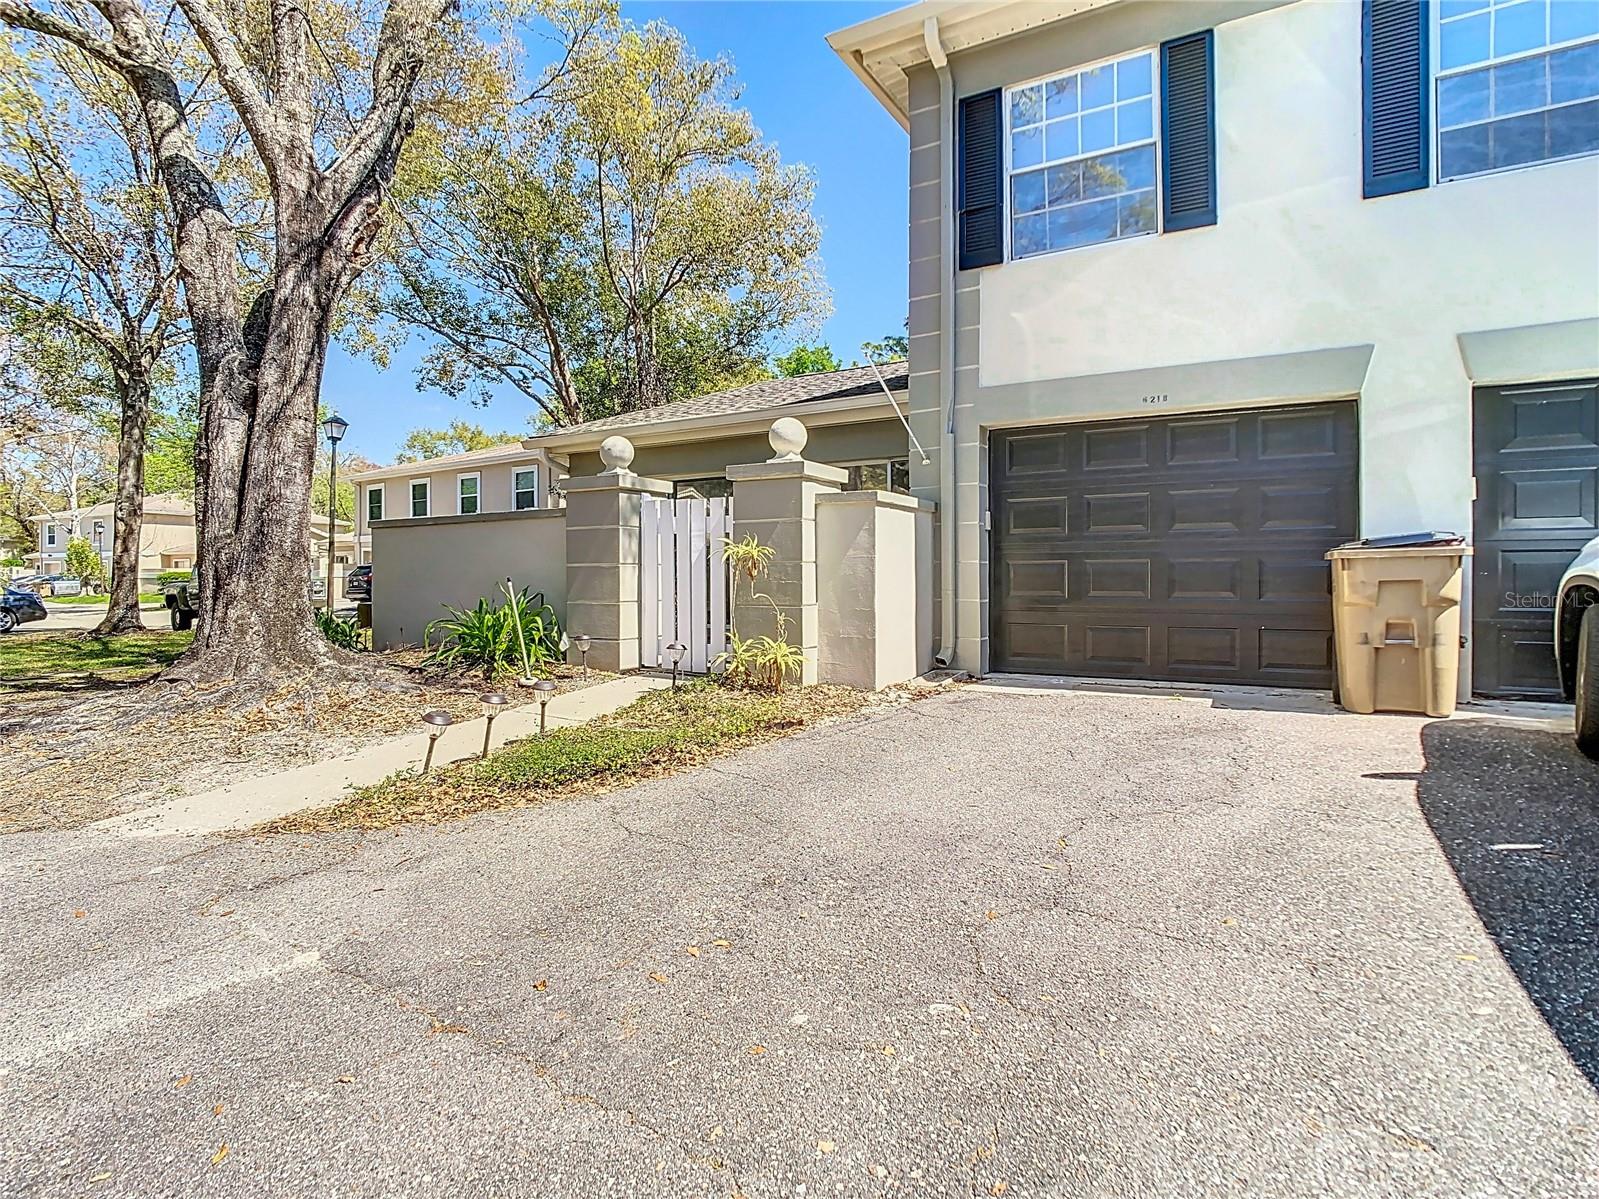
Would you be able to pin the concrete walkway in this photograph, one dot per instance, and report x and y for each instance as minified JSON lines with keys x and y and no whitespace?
{"x":265,"y":797}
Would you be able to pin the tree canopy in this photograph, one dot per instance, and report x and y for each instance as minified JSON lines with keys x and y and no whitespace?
{"x":625,"y":239}
{"x":457,"y":437}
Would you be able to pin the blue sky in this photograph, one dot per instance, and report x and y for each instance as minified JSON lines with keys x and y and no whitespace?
{"x":807,"y":102}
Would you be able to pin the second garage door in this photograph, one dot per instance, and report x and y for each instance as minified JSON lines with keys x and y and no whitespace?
{"x":1188,"y":548}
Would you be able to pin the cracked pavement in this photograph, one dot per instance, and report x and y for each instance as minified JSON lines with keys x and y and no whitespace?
{"x":998,"y":942}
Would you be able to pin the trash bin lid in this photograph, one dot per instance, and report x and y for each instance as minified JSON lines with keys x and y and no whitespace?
{"x":1404,"y":545}
{"x":1396,"y":540}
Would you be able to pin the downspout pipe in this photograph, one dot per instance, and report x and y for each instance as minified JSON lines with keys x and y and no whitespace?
{"x":947,"y":516}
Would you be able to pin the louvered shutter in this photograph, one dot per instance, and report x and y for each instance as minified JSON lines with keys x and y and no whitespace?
{"x":980,"y":171}
{"x":1188,"y":131}
{"x":1394,"y":69}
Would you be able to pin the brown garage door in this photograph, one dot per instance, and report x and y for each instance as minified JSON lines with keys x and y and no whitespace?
{"x":1188,"y":548}
{"x":1537,"y":467}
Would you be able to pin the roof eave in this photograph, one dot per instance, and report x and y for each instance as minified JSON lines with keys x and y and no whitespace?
{"x":489,"y":457}
{"x":754,"y":420}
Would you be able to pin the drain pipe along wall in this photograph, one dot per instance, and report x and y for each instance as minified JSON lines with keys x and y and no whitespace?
{"x":946,"y":341}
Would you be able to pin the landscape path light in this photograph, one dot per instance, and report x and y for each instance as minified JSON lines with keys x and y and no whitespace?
{"x":677,"y":649}
{"x":582,"y":642}
{"x":437,"y":721}
{"x":545,"y":688}
{"x":492,"y":703}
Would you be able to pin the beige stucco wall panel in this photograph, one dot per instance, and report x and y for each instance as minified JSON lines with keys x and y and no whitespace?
{"x":874,"y":583}
{"x":421,"y":565}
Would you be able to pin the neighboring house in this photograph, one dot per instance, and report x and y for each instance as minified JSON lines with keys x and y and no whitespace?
{"x":166,"y":538}
{"x":854,"y":421}
{"x":503,"y":478}
{"x":1199,"y":290}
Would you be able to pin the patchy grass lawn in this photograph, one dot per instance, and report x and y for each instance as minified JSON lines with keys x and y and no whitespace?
{"x":75,"y":662}
{"x":660,"y":733}
{"x":145,"y":597}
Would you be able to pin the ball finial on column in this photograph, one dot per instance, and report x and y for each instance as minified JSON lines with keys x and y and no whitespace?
{"x":788,"y":438}
{"x":617,"y":454}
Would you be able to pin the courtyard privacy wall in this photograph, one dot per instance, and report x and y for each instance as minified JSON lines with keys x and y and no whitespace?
{"x":421,"y":566}
{"x":852,"y":571}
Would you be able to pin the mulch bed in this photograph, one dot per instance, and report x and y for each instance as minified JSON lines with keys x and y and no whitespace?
{"x":71,"y":760}
{"x":656,"y":736}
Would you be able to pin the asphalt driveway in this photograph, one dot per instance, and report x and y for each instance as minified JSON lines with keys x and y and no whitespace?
{"x":998,"y":942}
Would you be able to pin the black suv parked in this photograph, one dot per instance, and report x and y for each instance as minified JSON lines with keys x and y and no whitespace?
{"x":358,"y":583}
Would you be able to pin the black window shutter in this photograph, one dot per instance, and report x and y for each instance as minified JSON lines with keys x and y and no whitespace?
{"x":979,"y":172}
{"x":1188,"y":131}
{"x":1394,"y":69}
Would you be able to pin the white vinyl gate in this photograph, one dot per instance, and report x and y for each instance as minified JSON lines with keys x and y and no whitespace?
{"x":683,"y":581}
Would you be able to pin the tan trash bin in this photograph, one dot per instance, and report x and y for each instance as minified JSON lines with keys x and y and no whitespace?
{"x":1396,"y":621}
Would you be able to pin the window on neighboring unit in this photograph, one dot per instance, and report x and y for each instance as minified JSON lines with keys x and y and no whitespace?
{"x":466,"y":493}
{"x":525,"y":489}
{"x":374,"y":503}
{"x":1517,"y":83}
{"x":419,"y":496}
{"x":49,"y":535}
{"x":709,"y":488}
{"x":1080,"y":156}
{"x":880,"y":476}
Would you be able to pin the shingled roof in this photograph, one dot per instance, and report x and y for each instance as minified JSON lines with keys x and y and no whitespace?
{"x":754,"y":397}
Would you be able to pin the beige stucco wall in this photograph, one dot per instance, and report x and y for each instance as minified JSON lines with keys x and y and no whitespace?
{"x":834,"y":445}
{"x":874,"y":565}
{"x":418,"y":566}
{"x":1303,"y":290}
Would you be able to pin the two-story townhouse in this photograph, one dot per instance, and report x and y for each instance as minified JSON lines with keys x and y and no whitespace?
{"x":1201,"y":288}
{"x":504,"y":478}
{"x":166,"y":538}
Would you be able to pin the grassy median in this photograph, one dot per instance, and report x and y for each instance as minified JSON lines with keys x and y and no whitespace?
{"x":660,"y":733}
{"x":72,"y":661}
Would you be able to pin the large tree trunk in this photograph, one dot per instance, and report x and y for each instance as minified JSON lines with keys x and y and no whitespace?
{"x":122,"y":610}
{"x":255,"y":618}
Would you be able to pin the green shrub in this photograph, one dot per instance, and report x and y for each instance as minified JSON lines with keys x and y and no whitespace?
{"x":173,"y":576}
{"x":757,"y":661}
{"x":485,"y":638}
{"x":341,"y":631}
{"x":84,"y":562}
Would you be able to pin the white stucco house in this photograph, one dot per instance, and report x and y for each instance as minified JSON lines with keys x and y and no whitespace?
{"x":1199,"y":289}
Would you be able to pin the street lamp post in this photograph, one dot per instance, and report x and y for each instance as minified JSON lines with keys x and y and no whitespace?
{"x":334,"y":428}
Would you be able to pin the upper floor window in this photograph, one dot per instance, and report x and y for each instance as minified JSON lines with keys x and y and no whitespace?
{"x":466,"y":494}
{"x":1081,"y":156}
{"x":420,"y":490}
{"x":1517,"y":83}
{"x":525,"y":489}
{"x":49,"y":535}
{"x":374,"y":503}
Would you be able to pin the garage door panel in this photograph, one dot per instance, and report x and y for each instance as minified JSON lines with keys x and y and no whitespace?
{"x":1533,"y":502}
{"x":1299,"y":434}
{"x":1192,"y":547}
{"x":1190,"y":648}
{"x":1202,"y":442}
{"x":1536,"y":460}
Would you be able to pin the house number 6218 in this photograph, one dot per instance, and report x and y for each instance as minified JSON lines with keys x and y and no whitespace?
{"x":1158,"y":398}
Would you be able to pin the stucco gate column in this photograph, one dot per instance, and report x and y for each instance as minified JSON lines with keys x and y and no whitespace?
{"x":776,"y":501}
{"x":602,"y":556}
